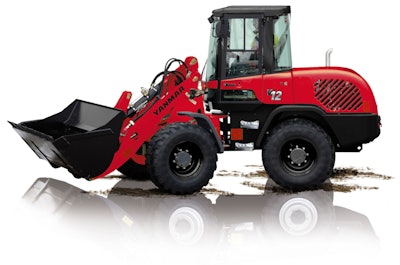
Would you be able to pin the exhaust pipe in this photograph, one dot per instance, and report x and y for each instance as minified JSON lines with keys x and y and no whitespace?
{"x":328,"y":57}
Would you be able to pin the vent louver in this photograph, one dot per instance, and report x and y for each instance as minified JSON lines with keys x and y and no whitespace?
{"x":337,"y":95}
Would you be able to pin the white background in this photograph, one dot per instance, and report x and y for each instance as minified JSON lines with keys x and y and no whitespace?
{"x":52,"y":52}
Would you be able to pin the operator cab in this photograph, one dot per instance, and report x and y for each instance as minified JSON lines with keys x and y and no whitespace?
{"x":245,"y":41}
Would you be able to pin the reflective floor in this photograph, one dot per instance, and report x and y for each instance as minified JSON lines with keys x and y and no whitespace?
{"x":134,"y":223}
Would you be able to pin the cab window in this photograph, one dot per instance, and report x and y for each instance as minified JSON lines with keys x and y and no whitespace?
{"x":242,"y":47}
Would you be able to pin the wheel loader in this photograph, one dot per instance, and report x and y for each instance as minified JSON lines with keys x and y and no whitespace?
{"x":249,"y":98}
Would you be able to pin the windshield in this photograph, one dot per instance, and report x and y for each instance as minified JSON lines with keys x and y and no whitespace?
{"x":283,"y":56}
{"x":212,"y":52}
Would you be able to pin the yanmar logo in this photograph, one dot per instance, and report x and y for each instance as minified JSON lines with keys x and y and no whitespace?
{"x":168,"y":101}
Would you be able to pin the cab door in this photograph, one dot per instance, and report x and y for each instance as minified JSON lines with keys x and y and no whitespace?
{"x":241,"y":67}
{"x":241,"y":80}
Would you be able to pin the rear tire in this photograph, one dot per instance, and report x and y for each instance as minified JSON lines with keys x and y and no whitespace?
{"x":181,"y":158}
{"x":298,"y":154}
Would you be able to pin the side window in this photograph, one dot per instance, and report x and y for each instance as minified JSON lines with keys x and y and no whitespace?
{"x":242,"y":47}
{"x":282,"y":54}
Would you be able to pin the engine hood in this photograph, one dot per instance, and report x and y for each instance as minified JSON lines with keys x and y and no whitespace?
{"x":334,"y":89}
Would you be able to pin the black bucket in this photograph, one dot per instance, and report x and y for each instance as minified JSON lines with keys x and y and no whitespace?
{"x":82,"y":138}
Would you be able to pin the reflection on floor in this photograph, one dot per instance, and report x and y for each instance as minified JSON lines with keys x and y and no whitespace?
{"x":135,"y":221}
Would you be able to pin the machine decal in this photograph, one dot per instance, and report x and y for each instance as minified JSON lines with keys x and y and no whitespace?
{"x":169,"y":100}
{"x":276,"y":95}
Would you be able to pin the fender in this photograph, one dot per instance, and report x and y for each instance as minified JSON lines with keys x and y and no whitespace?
{"x":204,"y":122}
{"x":309,"y":111}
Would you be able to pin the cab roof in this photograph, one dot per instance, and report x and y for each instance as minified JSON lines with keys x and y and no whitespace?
{"x":266,"y":10}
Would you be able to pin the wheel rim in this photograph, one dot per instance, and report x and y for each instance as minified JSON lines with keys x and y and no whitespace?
{"x":298,"y":156}
{"x":185,"y":159}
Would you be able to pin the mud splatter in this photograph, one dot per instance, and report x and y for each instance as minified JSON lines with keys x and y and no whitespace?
{"x":258,"y":186}
{"x":225,"y":173}
{"x":350,"y":173}
{"x":337,"y":182}
{"x":347,"y":174}
{"x":346,"y":188}
{"x":254,"y":166}
{"x":137,"y":192}
{"x":235,"y":173}
{"x":216,"y":192}
{"x":258,"y":173}
{"x":326,"y":187}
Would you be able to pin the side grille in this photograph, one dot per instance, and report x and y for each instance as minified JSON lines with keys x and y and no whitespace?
{"x":337,"y":95}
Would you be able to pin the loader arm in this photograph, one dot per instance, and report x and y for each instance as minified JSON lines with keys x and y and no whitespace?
{"x":91,"y":140}
{"x":176,"y":95}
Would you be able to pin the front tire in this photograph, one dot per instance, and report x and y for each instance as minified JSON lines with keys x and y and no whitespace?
{"x":298,"y":154}
{"x":134,"y":170}
{"x":181,"y":158}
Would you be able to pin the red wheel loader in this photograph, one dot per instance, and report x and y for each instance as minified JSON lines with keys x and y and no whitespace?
{"x":251,"y":98}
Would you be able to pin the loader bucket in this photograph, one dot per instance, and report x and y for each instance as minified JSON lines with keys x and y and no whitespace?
{"x":82,"y":138}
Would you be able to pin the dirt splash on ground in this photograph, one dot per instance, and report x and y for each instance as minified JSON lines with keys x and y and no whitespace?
{"x":351,"y":173}
{"x":235,"y":173}
{"x":214,"y":191}
{"x":340,"y":181}
{"x":344,"y":175}
{"x":136,"y":192}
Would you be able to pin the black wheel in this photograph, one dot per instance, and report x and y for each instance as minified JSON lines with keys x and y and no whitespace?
{"x":298,"y":154}
{"x":133,"y":170}
{"x":181,"y":158}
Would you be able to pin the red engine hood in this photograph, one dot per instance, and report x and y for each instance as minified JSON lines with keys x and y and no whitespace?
{"x":334,"y":89}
